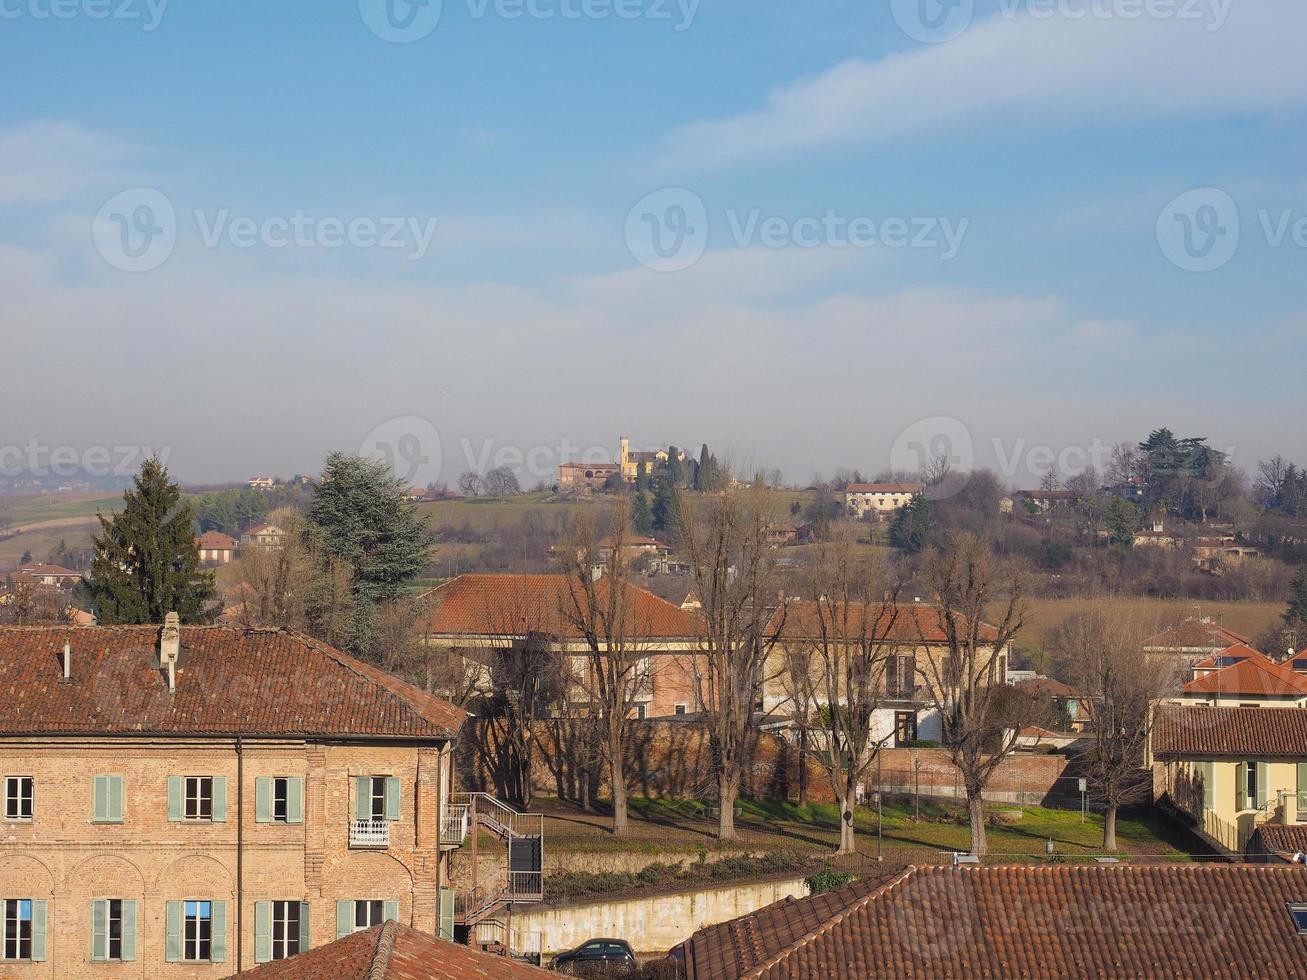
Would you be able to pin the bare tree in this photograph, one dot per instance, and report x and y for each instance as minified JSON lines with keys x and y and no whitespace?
{"x":1124,"y":465}
{"x":852,"y":630}
{"x":733,"y":571}
{"x":29,"y":603}
{"x":976,"y":708}
{"x":1100,"y":646}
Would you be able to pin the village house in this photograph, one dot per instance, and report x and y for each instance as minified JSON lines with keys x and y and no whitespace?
{"x":189,"y":801}
{"x":628,"y":467}
{"x":1043,"y":501}
{"x":264,"y":536}
{"x":55,"y":576}
{"x":590,"y":475}
{"x":261,"y":482}
{"x":1157,"y":536}
{"x":1191,"y":640}
{"x":1241,"y":677}
{"x":879,"y":498}
{"x":216,"y":548}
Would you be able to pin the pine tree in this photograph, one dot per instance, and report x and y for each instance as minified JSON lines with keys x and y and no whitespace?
{"x":146,"y":560}
{"x":641,"y":516}
{"x":664,"y":506}
{"x":675,"y":468}
{"x":703,"y":475}
{"x":1296,"y":611}
{"x":913,"y":525}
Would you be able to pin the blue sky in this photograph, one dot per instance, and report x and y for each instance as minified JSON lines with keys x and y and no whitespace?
{"x":1032,"y":149}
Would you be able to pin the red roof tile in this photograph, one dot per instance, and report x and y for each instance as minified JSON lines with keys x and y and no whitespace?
{"x":884,"y":488}
{"x":1026,"y":921}
{"x":216,"y":541}
{"x":1194,"y":634}
{"x":394,"y":952}
{"x":1252,"y":676}
{"x":229,"y":681}
{"x":509,"y":605}
{"x":1208,"y":733}
{"x":915,"y":622}
{"x":1223,"y":658}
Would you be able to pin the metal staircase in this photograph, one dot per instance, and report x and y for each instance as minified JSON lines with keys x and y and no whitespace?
{"x":521,"y":879}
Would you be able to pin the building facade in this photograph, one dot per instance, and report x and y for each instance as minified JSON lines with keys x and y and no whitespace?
{"x":879,"y":498}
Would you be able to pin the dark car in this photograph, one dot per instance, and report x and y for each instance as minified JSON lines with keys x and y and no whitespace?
{"x":597,"y":958}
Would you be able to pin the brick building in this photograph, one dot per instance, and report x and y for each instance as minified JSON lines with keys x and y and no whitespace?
{"x":189,"y":801}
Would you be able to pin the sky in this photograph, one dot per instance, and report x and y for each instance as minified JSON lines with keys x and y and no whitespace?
{"x":469,"y":233}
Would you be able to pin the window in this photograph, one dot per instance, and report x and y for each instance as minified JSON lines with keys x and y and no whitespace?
{"x":285,"y":929}
{"x":377,"y":799}
{"x":680,"y":709}
{"x":18,"y":797}
{"x":368,"y":914}
{"x":1250,"y":792}
{"x":107,"y":799}
{"x":1298,"y":913}
{"x":199,"y":798}
{"x":641,"y":711}
{"x":113,"y":930}
{"x":280,"y":800}
{"x":905,"y":727}
{"x":18,"y":928}
{"x":198,"y":937}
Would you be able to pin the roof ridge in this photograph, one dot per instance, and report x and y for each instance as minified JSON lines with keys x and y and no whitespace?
{"x":380,"y":964}
{"x":830,"y":923}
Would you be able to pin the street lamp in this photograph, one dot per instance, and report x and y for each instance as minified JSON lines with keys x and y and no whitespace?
{"x":880,"y":825}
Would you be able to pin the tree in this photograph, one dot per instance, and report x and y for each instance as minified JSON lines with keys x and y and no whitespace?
{"x":28,"y":603}
{"x":469,"y":484}
{"x":732,"y":568}
{"x":675,"y":468}
{"x":641,"y":516}
{"x":1295,"y":612}
{"x":1122,"y":522}
{"x":1100,"y":646}
{"x":501,"y":482}
{"x":146,"y":561}
{"x":363,"y":521}
{"x":966,"y":686}
{"x":913,"y":525}
{"x":663,"y":513}
{"x":851,"y":630}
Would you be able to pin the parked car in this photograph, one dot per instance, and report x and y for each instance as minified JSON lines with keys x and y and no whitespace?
{"x":597,"y":958}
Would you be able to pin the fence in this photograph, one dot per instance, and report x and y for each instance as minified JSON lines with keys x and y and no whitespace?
{"x":1006,"y":785}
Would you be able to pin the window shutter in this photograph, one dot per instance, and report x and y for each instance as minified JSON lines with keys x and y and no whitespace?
{"x":1207,"y":770}
{"x":99,"y":797}
{"x":1302,"y":790}
{"x":1241,"y":787}
{"x":390,"y":910}
{"x":295,"y":799}
{"x":262,"y":932}
{"x":1263,"y":777}
{"x":172,"y":931}
{"x":263,"y":800}
{"x":447,"y":914}
{"x":99,"y":926}
{"x":218,"y":948}
{"x":115,"y":798}
{"x":38,"y":930}
{"x":175,"y":799}
{"x":344,"y":919}
{"x":392,"y":797}
{"x":219,"y":799}
{"x":362,"y":798}
{"x":306,"y":933}
{"x":129,"y":929}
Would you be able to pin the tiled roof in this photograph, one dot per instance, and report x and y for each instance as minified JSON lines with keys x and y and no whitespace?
{"x":914,"y":622}
{"x":884,"y":488}
{"x":1223,"y":658}
{"x":1254,"y":676}
{"x":42,"y":568}
{"x":229,"y":681}
{"x":1208,"y":733}
{"x":1194,"y":634}
{"x":1290,"y":838}
{"x":394,"y":952}
{"x":1045,"y":687}
{"x":1027,"y":921}
{"x":216,"y":541}
{"x":509,"y":605}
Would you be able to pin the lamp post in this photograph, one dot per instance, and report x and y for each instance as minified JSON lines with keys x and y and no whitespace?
{"x":916,"y":765}
{"x":880,"y":826}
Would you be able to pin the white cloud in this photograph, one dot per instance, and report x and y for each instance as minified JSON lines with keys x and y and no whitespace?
{"x":1026,"y":71}
{"x":44,"y":162}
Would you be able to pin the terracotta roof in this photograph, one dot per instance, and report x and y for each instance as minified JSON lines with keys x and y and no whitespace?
{"x":914,"y":622}
{"x":229,"y":681}
{"x":1208,"y":733}
{"x":1253,"y":676}
{"x":1025,"y":921}
{"x":1223,"y":658}
{"x":1045,"y":687}
{"x":509,"y":605}
{"x":884,"y":488}
{"x":1290,"y":838}
{"x":394,"y":952}
{"x":1194,"y":634}
{"x":42,"y":568}
{"x":216,"y":541}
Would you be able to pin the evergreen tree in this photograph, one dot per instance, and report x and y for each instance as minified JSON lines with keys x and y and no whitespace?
{"x":1122,"y":521}
{"x":703,"y":473}
{"x":675,"y":468}
{"x":913,"y":524}
{"x":1295,"y":614}
{"x":641,"y":516}
{"x":664,"y":506}
{"x":146,"y":561}
{"x":364,"y":522}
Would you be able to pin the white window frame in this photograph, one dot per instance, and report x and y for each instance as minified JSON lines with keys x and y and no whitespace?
{"x":19,"y":794}
{"x":196,"y":792}
{"x":365,"y":908}
{"x":280,"y":799}
{"x":192,"y":947}
{"x":284,"y":914}
{"x":113,"y":929}
{"x":17,"y":947}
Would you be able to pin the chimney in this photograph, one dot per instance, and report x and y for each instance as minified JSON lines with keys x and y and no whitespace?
{"x":68,"y":660}
{"x":170,"y":647}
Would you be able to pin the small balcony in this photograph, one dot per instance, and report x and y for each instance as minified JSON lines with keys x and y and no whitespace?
{"x":369,"y":833}
{"x":454,"y":825}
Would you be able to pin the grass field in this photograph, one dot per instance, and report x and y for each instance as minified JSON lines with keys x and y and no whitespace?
{"x":41,"y":522}
{"x":1248,"y":618}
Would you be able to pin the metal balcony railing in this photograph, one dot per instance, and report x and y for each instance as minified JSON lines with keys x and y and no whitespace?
{"x":369,"y":833}
{"x":500,"y":819}
{"x":454,"y":824}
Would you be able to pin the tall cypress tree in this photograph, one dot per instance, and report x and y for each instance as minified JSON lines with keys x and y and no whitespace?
{"x":146,"y":560}
{"x":641,"y":516}
{"x":1296,"y":610}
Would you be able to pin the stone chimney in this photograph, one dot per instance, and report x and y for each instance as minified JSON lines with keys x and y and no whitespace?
{"x":170,"y":647}
{"x":68,"y":660}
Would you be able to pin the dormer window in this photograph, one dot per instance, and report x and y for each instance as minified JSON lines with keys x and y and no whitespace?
{"x":1298,"y":913}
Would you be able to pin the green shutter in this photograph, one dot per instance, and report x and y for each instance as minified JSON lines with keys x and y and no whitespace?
{"x":344,"y":919}
{"x":1240,"y":786}
{"x":262,"y":932}
{"x":263,"y":800}
{"x":99,"y":798}
{"x":447,"y":914}
{"x":175,"y":799}
{"x":219,"y":799}
{"x":1263,"y":777}
{"x":99,"y":927}
{"x":1207,"y":770}
{"x":390,"y":910}
{"x":306,"y":932}
{"x":218,"y":952}
{"x":392,"y":797}
{"x":115,"y":799}
{"x":129,"y":929}
{"x":1302,"y":791}
{"x":362,"y":798}
{"x":38,"y":930}
{"x":172,"y":932}
{"x":295,"y":799}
